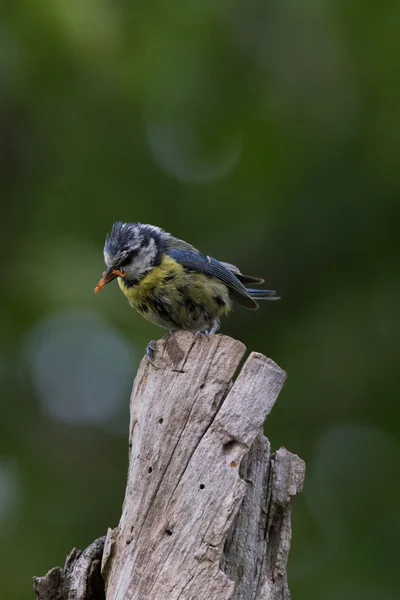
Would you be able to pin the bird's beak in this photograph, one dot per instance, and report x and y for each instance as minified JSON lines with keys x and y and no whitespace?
{"x":108,"y":276}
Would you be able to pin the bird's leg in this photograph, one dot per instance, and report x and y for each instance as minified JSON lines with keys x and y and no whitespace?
{"x":215,"y":325}
{"x":151,"y":346}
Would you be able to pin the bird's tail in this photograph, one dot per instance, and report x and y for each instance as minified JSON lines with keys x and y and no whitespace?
{"x":262,"y":294}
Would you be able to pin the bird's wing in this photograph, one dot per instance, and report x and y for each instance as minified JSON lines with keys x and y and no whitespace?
{"x":191,"y":259}
{"x":174,"y":243}
{"x":240,"y":276}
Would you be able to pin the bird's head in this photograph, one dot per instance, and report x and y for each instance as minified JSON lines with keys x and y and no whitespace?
{"x":130,"y":251}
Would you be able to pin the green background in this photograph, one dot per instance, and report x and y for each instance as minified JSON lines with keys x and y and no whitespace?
{"x":265,"y":133}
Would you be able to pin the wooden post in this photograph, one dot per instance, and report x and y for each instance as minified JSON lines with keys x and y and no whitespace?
{"x":206,"y":514}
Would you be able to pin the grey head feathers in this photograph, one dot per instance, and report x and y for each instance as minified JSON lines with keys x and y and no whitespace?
{"x":125,"y":239}
{"x":134,"y":247}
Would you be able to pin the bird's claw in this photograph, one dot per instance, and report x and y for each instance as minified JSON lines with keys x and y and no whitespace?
{"x":151,"y":346}
{"x":211,"y":331}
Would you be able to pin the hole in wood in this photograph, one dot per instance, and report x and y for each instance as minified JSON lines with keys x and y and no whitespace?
{"x":168,"y":531}
{"x":202,"y":486}
{"x":161,"y":421}
{"x":150,"y":469}
{"x":228,"y":446}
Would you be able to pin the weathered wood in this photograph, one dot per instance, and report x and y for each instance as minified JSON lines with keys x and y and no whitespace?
{"x":80,"y":579}
{"x":189,"y":432}
{"x":257,"y":547}
{"x":206,"y":513}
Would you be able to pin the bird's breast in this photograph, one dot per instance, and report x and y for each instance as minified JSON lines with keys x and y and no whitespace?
{"x":164,"y":277}
{"x":177,"y":298}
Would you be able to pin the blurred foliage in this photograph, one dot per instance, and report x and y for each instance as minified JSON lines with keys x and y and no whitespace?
{"x":268,"y":135}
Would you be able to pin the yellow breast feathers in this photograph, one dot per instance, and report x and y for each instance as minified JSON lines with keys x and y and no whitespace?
{"x":176,"y":298}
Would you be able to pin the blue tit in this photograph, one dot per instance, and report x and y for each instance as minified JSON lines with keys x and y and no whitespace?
{"x":171,"y":283}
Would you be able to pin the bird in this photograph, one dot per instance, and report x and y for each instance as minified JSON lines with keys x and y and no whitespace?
{"x":171,"y":283}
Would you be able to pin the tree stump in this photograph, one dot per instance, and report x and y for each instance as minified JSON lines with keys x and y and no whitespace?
{"x":206,"y":514}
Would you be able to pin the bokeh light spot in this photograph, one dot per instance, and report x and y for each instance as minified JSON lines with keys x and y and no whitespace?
{"x":176,"y":149}
{"x":81,"y":368}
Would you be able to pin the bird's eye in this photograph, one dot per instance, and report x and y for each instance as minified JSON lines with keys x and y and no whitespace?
{"x":128,"y":257}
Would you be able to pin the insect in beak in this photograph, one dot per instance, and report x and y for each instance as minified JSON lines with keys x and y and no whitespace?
{"x":108,"y":276}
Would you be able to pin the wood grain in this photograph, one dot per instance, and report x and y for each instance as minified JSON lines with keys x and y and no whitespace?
{"x":190,"y":429}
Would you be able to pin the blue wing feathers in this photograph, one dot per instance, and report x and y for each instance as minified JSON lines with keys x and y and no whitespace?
{"x":262,"y":294}
{"x":212,"y":267}
{"x":259,"y":293}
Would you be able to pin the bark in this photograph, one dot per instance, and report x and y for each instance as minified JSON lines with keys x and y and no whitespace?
{"x":206,"y":513}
